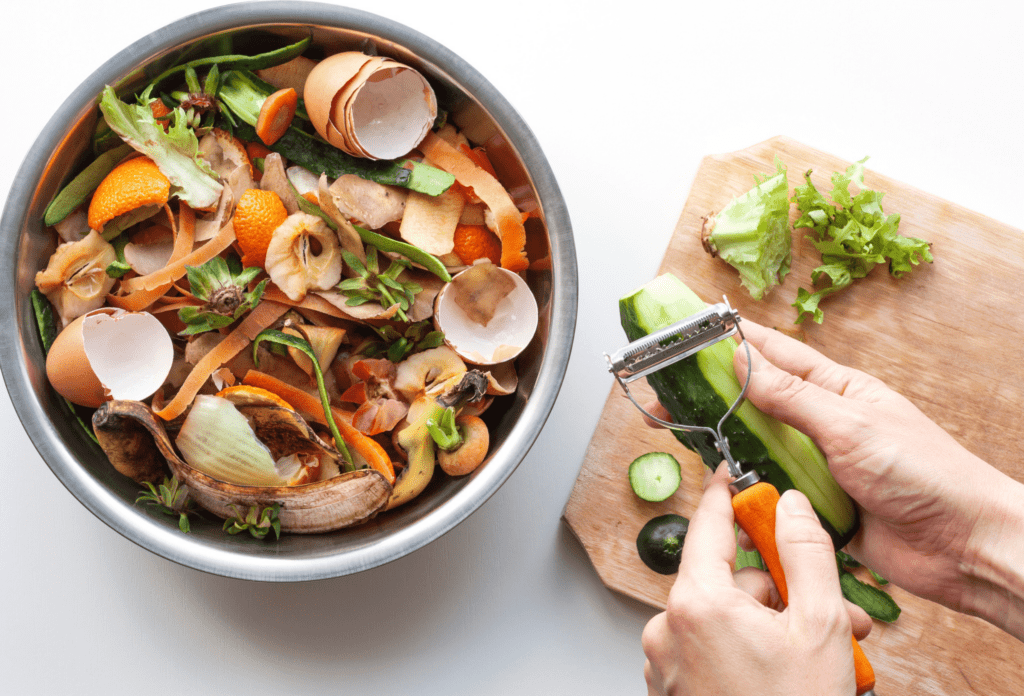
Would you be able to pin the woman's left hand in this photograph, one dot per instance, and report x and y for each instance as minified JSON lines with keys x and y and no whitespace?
{"x":715,"y":638}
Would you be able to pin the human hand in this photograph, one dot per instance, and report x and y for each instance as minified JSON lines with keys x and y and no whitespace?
{"x":716,"y":638}
{"x":924,"y":498}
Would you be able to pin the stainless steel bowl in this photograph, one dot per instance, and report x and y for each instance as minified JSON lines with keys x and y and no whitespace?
{"x":78,"y":462}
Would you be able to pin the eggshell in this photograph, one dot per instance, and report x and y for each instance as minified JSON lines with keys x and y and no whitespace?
{"x":110,"y":352}
{"x":68,"y":368}
{"x":506,"y":334}
{"x":369,"y":106}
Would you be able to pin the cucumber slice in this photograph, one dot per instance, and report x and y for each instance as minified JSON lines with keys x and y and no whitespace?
{"x":655,"y":476}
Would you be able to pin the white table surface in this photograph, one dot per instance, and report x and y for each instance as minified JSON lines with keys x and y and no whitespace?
{"x":625,"y":98}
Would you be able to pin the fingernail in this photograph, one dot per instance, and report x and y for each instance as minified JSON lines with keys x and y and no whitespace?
{"x":796,"y":504}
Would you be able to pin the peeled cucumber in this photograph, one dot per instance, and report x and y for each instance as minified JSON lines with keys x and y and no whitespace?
{"x":700,"y":389}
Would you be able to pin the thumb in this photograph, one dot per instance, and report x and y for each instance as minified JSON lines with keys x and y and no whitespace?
{"x":788,"y":398}
{"x":809,"y":561}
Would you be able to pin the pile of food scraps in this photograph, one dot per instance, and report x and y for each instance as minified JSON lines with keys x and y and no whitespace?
{"x":284,"y":290}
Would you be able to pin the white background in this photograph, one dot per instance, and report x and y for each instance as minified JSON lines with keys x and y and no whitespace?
{"x":625,"y":99}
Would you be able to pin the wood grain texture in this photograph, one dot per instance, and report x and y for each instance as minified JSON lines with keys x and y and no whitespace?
{"x":948,"y":336}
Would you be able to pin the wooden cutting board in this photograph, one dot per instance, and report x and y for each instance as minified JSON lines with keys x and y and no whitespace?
{"x":949,"y":336}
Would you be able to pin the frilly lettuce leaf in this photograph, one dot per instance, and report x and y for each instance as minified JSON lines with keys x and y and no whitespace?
{"x":853,"y":235}
{"x":176,"y":152}
{"x":752,"y":233}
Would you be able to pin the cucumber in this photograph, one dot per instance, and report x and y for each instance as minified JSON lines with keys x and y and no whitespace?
{"x":660,"y":543}
{"x":700,"y":389}
{"x":655,"y":476}
{"x":877,"y":603}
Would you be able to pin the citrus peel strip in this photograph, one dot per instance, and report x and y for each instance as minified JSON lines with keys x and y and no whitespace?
{"x":507,"y":217}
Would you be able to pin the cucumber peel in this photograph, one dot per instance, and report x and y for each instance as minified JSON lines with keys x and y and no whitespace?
{"x":700,"y":389}
{"x":84,"y":183}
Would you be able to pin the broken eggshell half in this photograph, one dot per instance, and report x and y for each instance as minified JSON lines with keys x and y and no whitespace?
{"x":110,"y":353}
{"x":488,"y":315}
{"x":369,"y":106}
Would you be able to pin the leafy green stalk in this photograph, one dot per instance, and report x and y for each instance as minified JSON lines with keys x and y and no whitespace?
{"x":258,"y":521}
{"x":279,"y":337}
{"x":244,"y":92}
{"x":443,"y":430}
{"x":238,"y":62}
{"x":752,"y":233}
{"x":853,"y":235}
{"x":171,"y":498}
{"x":222,"y":284}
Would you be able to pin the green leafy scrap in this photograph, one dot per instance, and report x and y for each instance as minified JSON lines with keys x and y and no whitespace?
{"x":370,"y":284}
{"x":170,"y":497}
{"x":853,"y":235}
{"x":396,"y":346}
{"x":258,"y":521}
{"x":752,"y":233}
{"x":222,"y":284}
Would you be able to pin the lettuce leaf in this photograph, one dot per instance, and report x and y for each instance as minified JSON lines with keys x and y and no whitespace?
{"x":176,"y":152}
{"x":853,"y":235}
{"x":752,"y":233}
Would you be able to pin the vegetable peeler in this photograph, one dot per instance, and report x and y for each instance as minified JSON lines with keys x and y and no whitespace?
{"x":753,"y":500}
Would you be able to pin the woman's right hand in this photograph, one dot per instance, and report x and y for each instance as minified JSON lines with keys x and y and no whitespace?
{"x":932,"y":513}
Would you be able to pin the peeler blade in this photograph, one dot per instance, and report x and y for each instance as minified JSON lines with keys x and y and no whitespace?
{"x":673,"y":343}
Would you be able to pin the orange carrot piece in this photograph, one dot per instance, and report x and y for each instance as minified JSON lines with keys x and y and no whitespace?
{"x":507,"y":216}
{"x":265,"y":314}
{"x":368,"y":448}
{"x":276,"y":115}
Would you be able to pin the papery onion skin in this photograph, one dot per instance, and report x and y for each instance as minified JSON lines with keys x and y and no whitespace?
{"x":217,"y":440}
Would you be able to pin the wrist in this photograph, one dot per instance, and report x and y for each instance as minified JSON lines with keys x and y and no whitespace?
{"x":993,"y":562}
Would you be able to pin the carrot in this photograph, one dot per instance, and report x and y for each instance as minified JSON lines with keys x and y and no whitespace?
{"x":368,"y":448}
{"x":139,"y":300}
{"x":265,"y":314}
{"x":276,"y":115}
{"x":256,"y":151}
{"x":509,"y":221}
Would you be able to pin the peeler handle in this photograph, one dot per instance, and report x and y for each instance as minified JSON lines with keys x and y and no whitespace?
{"x":754,"y":508}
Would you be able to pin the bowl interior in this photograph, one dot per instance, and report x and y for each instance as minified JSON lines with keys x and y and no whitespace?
{"x":472,"y":104}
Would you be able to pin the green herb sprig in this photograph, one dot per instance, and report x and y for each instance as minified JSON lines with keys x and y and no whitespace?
{"x":258,"y":521}
{"x":171,"y":497}
{"x":371,"y":285}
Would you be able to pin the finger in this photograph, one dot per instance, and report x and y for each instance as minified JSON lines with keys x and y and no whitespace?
{"x":859,"y":619}
{"x":794,"y":357}
{"x":745,"y":542}
{"x":789,"y":398}
{"x":654,"y":408}
{"x":759,"y":585}
{"x":710,"y":549}
{"x":808,"y":559}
